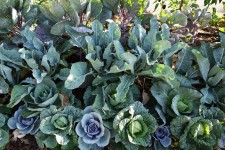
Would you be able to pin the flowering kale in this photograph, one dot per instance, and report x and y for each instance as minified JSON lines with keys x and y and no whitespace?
{"x":59,"y":123}
{"x":178,"y":101}
{"x":25,"y":125}
{"x":134,"y":126}
{"x":44,"y":94}
{"x":196,"y":133}
{"x":91,"y":130}
{"x":162,"y":134}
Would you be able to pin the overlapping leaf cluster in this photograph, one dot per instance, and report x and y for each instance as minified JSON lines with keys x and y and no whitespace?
{"x":75,"y":79}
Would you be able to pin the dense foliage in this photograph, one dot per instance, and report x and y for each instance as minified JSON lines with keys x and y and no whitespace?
{"x":89,"y":74}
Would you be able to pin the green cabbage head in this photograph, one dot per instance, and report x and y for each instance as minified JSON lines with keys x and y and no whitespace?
{"x":134,"y":126}
{"x":196,"y":133}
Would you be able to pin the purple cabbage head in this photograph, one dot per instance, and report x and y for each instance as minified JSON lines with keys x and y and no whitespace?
{"x":24,"y":125}
{"x":162,"y":134}
{"x":91,"y":130}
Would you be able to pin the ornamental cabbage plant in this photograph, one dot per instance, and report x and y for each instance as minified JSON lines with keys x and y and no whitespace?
{"x":43,"y":95}
{"x":25,"y":125}
{"x":196,"y":133}
{"x":161,"y":136}
{"x":59,"y":123}
{"x":91,"y":130}
{"x":134,"y":126}
{"x":176,"y":101}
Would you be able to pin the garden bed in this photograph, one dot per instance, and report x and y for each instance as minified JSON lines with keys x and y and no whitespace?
{"x":102,"y":74}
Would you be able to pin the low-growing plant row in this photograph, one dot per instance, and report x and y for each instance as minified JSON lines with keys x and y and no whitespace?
{"x":108,"y":74}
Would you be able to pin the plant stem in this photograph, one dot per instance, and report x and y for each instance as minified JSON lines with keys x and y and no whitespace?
{"x":181,"y":4}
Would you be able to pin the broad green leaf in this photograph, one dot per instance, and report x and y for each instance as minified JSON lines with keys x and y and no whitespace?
{"x":208,"y":96}
{"x":207,"y":52}
{"x":45,"y":10}
{"x":123,"y":87}
{"x":104,"y":15}
{"x":160,"y":91}
{"x":11,"y":55}
{"x":160,"y":113}
{"x":51,"y":59}
{"x":149,"y":41}
{"x":2,"y":120}
{"x":76,"y":38}
{"x":63,"y":74}
{"x":112,"y":5}
{"x":132,"y":41}
{"x":4,"y":87}
{"x":59,"y":27}
{"x":163,"y":72}
{"x":203,"y":64}
{"x":216,"y":74}
{"x":61,"y":138}
{"x":178,"y":18}
{"x":97,"y":27}
{"x":18,"y":93}
{"x":119,"y":48}
{"x":78,"y":73}
{"x":154,"y":25}
{"x":5,"y":23}
{"x":178,"y":125}
{"x":131,"y":59}
{"x":46,"y":126}
{"x":44,"y":140}
{"x":4,"y":138}
{"x":165,"y":32}
{"x":38,"y":75}
{"x":184,"y":61}
{"x":96,"y":63}
{"x":139,"y":32}
{"x":159,"y":47}
{"x":114,"y":31}
{"x":94,"y":8}
{"x":218,"y":55}
{"x":56,"y":9}
{"x":174,"y":49}
{"x":78,"y":5}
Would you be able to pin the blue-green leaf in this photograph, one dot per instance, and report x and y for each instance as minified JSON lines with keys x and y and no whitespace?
{"x":18,"y":93}
{"x":78,"y":74}
{"x":203,"y":63}
{"x":123,"y":87}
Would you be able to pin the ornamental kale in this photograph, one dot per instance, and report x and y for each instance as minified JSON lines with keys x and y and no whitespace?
{"x":25,"y":125}
{"x":43,"y":95}
{"x":176,"y":101}
{"x":59,"y":123}
{"x":161,"y":136}
{"x":196,"y":133}
{"x":91,"y":130}
{"x":134,"y":126}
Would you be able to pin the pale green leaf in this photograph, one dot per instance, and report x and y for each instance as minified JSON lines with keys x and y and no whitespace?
{"x":18,"y":93}
{"x":78,"y":74}
{"x":203,"y":63}
{"x":123,"y":87}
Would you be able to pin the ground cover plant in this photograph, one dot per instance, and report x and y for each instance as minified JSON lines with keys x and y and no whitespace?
{"x":103,"y":74}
